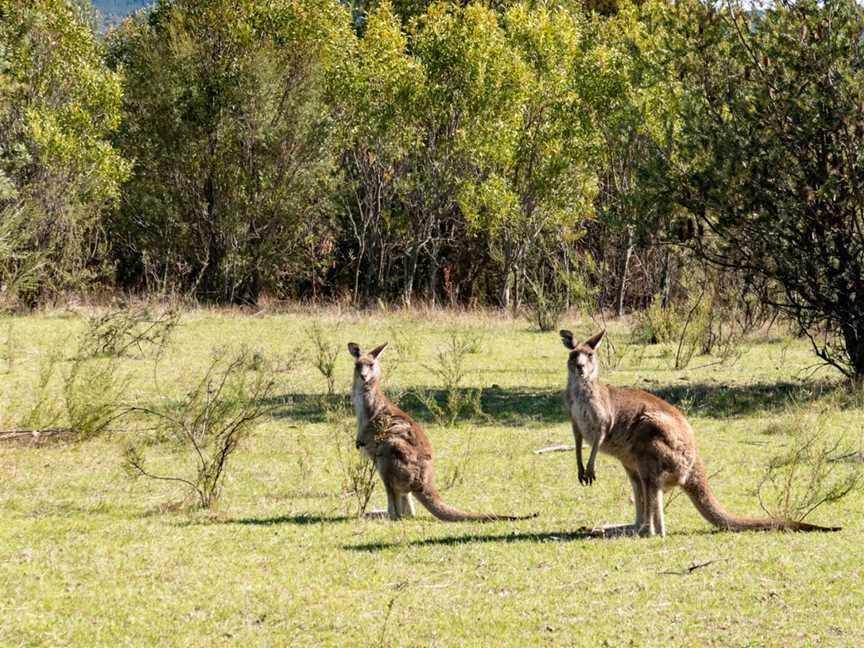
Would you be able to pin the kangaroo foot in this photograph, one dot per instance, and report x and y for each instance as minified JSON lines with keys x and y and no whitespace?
{"x":375,"y":515}
{"x":616,"y":530}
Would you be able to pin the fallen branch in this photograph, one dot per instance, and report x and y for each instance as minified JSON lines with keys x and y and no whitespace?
{"x":555,"y":448}
{"x":35,"y":436}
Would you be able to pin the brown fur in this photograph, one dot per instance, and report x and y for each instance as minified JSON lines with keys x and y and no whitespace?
{"x":399,"y":447}
{"x":652,"y":440}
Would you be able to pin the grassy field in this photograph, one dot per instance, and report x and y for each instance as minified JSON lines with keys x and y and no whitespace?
{"x":90,"y":557}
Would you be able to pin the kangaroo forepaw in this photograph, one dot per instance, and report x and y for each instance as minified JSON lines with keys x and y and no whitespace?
{"x":587,"y":477}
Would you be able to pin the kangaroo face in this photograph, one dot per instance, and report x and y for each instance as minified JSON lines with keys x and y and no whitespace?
{"x":366,"y":368}
{"x":582,"y":362}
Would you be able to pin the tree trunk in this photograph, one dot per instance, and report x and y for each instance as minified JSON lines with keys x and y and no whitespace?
{"x":517,"y":288}
{"x":361,"y":252}
{"x":504,"y":297}
{"x":666,"y":278}
{"x":853,"y":338}
{"x":433,"y":283}
{"x":211,"y":286}
{"x":623,"y":286}
{"x":410,"y":275}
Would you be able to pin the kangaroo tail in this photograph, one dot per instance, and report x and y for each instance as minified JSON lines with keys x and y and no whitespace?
{"x":712,"y":510}
{"x":429,"y":498}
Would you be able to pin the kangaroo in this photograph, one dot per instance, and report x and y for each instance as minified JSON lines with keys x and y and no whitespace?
{"x":652,"y":440}
{"x":399,"y":447}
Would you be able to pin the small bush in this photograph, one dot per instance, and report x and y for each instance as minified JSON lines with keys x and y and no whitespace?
{"x":449,"y":365}
{"x":260,"y":360}
{"x":357,"y":472}
{"x":92,"y":395}
{"x":450,"y":368}
{"x":325,"y":353}
{"x":123,"y":332}
{"x":809,"y":474}
{"x":206,"y":425}
{"x":699,"y":325}
{"x":552,"y":290}
{"x":23,"y":265}
{"x":402,"y":342}
{"x":45,"y":411}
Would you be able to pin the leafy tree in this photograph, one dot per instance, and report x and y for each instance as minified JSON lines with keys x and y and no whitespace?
{"x":59,"y":174}
{"x":768,"y":160}
{"x":468,"y":117}
{"x":225,"y":117}
{"x":374,"y":96}
{"x":428,"y":106}
{"x":471,"y":136}
{"x":536,"y":195}
{"x":637,"y":122}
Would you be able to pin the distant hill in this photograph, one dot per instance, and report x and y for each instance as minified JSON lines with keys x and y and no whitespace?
{"x":112,"y":12}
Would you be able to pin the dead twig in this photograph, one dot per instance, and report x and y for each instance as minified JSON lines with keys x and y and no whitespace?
{"x":851,"y":456}
{"x":555,"y":448}
{"x":693,"y":567}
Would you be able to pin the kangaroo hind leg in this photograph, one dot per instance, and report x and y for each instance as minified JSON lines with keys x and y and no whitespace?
{"x":652,"y":500}
{"x":393,"y":510}
{"x":406,"y":505}
{"x":638,"y":499}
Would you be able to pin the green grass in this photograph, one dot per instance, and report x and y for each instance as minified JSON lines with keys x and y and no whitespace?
{"x":89,"y":557}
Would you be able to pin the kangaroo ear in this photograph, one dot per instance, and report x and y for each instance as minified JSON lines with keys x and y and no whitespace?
{"x":353,"y":349}
{"x":377,"y":351}
{"x":567,"y":338}
{"x":594,"y":342}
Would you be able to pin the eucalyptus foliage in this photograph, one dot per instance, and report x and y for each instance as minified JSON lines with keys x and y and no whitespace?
{"x":59,"y":172}
{"x":224,"y":117}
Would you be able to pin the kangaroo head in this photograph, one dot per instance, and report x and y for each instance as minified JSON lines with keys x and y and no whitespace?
{"x":366,"y":368}
{"x":582,"y":362}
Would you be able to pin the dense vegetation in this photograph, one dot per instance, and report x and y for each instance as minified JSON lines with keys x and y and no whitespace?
{"x":500,"y":153}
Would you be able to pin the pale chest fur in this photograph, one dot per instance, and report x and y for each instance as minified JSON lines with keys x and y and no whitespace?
{"x":589,"y":411}
{"x":361,"y":409}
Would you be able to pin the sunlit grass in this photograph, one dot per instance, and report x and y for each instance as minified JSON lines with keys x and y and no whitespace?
{"x":88,"y":557}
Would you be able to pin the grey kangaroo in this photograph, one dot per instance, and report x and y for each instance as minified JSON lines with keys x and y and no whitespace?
{"x":399,"y":447}
{"x":651,"y":439}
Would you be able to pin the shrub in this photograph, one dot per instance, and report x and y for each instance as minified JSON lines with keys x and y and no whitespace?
{"x":91,"y":393}
{"x":206,"y":425}
{"x":357,"y":472}
{"x":810,"y":473}
{"x":122,"y":332}
{"x":324,"y":355}
{"x":449,"y":367}
{"x":712,"y":319}
{"x":92,"y":396}
{"x":552,"y":291}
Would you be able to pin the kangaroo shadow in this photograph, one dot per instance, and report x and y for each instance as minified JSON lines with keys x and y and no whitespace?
{"x":582,"y":533}
{"x":302,"y":520}
{"x":550,"y":536}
